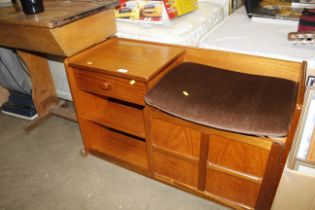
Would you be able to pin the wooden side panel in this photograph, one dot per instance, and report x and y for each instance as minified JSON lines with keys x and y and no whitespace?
{"x":270,"y":182}
{"x":179,"y":139}
{"x":232,"y":188}
{"x":110,"y":86}
{"x":177,"y":170}
{"x":237,"y":155}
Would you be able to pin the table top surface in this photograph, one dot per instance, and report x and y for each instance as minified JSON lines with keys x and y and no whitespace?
{"x":126,"y":59}
{"x":56,"y":13}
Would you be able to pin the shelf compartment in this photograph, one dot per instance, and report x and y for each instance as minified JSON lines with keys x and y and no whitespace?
{"x":114,"y":144}
{"x":119,"y":117}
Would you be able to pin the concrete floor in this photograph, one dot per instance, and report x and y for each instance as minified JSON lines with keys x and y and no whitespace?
{"x":44,"y":170}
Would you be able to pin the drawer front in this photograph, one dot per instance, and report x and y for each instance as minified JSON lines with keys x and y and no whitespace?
{"x":124,"y":89}
{"x":178,"y":139}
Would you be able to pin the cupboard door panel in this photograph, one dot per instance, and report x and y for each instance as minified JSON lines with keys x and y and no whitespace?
{"x":175,"y":169}
{"x":237,"y":155}
{"x":232,"y":188}
{"x":180,"y":139}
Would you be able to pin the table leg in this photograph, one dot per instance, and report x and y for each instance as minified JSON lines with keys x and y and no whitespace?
{"x":43,"y":90}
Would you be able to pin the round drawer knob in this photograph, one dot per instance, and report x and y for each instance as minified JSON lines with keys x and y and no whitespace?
{"x":132,"y":82}
{"x":104,"y":85}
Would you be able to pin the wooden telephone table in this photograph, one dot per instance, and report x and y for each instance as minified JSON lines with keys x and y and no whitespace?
{"x":109,"y":83}
{"x":63,"y":29}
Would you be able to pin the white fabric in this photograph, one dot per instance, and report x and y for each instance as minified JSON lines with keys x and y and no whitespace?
{"x":184,"y":30}
{"x":239,"y":34}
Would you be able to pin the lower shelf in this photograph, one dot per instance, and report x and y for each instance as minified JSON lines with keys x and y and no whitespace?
{"x":104,"y":141}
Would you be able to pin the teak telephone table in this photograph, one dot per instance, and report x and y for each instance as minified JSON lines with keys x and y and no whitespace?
{"x":108,"y":83}
{"x":63,"y":29}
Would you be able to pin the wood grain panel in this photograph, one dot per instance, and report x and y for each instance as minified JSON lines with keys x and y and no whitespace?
{"x":245,"y":63}
{"x":81,"y":34}
{"x":177,"y":170}
{"x":56,"y":14}
{"x":23,"y":37}
{"x":63,"y":41}
{"x":120,"y":117}
{"x":250,"y":64}
{"x":232,"y":188}
{"x":116,"y":87}
{"x":238,"y":156}
{"x":180,"y":139}
{"x":262,"y":142}
{"x":141,"y":62}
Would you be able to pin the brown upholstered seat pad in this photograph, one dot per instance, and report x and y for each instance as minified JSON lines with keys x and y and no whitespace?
{"x":232,"y":101}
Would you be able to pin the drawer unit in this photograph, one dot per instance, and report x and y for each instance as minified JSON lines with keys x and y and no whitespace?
{"x":124,"y":89}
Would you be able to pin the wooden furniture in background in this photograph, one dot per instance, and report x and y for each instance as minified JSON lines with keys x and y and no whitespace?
{"x":63,"y":29}
{"x":108,"y":83}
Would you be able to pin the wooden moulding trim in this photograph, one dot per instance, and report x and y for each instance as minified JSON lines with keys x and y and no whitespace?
{"x":149,"y":148}
{"x":173,"y":182}
{"x":157,"y":78}
{"x":238,"y":61}
{"x":174,"y":154}
{"x":242,"y":175}
{"x":301,"y":90}
{"x":119,"y":162}
{"x":200,"y":193}
{"x":261,"y":142}
{"x":202,"y":172}
{"x":233,"y":204}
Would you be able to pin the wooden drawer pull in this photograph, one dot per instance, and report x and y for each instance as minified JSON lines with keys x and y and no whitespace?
{"x":104,"y":85}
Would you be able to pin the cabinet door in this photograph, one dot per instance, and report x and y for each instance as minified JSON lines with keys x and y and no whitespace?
{"x":235,"y":169}
{"x":175,"y":153}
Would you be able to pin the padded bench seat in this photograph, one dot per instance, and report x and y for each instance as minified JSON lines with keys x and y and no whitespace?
{"x":231,"y":101}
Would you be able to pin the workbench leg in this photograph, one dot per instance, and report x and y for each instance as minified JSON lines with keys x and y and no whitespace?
{"x":43,"y":89}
